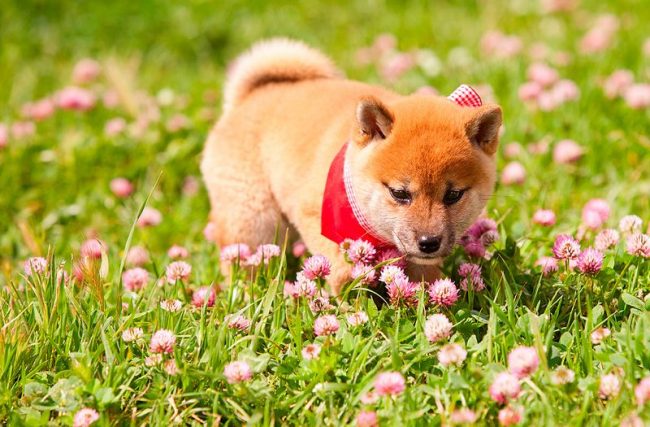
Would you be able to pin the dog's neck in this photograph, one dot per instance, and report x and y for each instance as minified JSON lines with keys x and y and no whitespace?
{"x":345,"y":204}
{"x":359,"y":199}
{"x":360,"y":195}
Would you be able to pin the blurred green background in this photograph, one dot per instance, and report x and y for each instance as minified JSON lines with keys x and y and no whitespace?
{"x":187,"y":44}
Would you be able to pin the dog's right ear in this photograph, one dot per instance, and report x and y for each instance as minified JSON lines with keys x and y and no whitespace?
{"x":374,"y":119}
{"x":483,"y":128}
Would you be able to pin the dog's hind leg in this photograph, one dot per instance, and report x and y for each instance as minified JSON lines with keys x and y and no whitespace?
{"x":243,"y":209}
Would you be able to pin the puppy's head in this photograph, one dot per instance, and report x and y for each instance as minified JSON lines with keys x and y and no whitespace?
{"x":423,"y":169}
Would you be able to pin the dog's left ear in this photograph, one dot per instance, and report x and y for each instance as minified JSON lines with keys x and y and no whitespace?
{"x":374,"y":119}
{"x":482,"y":128}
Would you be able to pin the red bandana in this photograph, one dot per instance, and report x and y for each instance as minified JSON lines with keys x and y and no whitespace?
{"x":341,"y":217}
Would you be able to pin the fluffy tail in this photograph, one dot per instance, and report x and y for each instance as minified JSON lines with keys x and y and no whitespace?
{"x":273,"y":61}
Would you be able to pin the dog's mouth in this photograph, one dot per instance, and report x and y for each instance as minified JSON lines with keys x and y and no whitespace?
{"x":425,"y":259}
{"x":428,"y":259}
{"x":418,"y":257}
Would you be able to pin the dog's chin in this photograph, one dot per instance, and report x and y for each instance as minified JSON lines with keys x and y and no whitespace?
{"x":424,"y":260}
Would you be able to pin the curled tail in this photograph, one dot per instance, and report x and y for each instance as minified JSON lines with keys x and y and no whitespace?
{"x":274,"y":61}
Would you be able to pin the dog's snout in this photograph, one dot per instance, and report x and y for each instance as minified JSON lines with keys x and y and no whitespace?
{"x":429,"y":244}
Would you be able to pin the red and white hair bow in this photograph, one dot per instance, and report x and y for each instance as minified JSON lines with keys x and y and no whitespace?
{"x":465,"y":96}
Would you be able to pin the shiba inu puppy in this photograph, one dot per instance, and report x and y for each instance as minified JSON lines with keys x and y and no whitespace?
{"x":301,"y":148}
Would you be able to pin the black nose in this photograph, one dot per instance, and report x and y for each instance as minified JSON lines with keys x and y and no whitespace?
{"x":429,"y":244}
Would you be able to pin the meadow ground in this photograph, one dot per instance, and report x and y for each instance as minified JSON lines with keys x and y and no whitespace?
{"x":96,"y":331}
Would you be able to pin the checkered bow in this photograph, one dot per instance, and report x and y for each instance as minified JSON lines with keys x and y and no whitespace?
{"x":465,"y":96}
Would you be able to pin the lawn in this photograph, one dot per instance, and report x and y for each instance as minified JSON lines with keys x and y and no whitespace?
{"x":115,"y":309}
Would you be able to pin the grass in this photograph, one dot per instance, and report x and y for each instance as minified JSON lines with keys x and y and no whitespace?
{"x":61,"y":346}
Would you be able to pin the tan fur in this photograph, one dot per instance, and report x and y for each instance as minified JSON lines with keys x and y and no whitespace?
{"x":266,"y":161}
{"x":275,"y":60}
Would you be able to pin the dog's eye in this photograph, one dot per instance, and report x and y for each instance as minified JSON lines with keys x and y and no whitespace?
{"x":400,"y":195}
{"x":452,"y":196}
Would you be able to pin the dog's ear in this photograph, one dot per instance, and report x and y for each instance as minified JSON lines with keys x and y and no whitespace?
{"x":374,"y":119}
{"x":482,"y":128}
